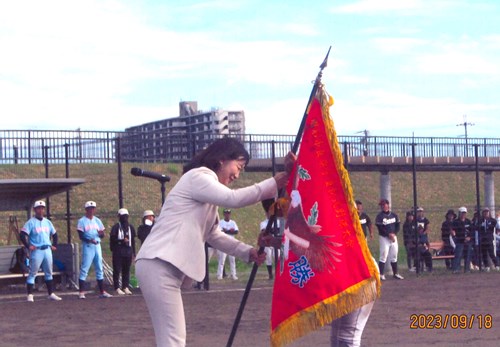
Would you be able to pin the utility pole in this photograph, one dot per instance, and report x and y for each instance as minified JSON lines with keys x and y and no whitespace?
{"x":364,"y":141}
{"x":465,"y":124}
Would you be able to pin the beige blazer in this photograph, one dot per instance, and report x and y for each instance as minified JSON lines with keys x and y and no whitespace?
{"x":189,"y":218}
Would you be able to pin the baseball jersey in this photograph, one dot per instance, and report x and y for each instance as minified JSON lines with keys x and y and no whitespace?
{"x":365,"y":222}
{"x":462,"y":229}
{"x":487,"y":229}
{"x":90,"y":228}
{"x":39,"y":231}
{"x":227,"y":225}
{"x":423,"y":222}
{"x":387,"y":223}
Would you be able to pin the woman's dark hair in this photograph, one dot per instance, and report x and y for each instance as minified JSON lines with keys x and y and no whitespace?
{"x":223,"y":149}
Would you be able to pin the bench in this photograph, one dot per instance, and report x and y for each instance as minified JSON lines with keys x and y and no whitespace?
{"x":436,"y":249}
{"x":66,"y":256}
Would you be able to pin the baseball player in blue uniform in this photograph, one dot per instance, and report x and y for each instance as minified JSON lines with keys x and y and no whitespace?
{"x":91,"y":231}
{"x":35,"y":235}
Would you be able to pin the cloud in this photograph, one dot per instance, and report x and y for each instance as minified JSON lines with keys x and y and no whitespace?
{"x":376,"y":6}
{"x":384,"y":7}
{"x":385,"y":112}
{"x":398,"y":45}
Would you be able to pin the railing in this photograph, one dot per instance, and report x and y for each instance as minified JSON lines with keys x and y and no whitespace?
{"x":34,"y":146}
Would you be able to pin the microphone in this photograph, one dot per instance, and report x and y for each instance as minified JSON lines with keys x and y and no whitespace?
{"x":140,"y":172}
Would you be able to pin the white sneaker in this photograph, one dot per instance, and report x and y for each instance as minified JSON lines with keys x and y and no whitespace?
{"x":127,"y":291}
{"x":119,"y":292}
{"x":412,"y":269}
{"x":398,"y":277}
{"x":234,"y":277}
{"x":81,"y":295}
{"x":219,"y":277}
{"x":30,"y":298}
{"x":487,"y":269}
{"x":497,"y":268}
{"x":54,"y":297}
{"x":382,"y":277}
{"x":105,"y":295}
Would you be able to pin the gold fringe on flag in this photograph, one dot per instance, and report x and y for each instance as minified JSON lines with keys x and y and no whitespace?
{"x":334,"y":307}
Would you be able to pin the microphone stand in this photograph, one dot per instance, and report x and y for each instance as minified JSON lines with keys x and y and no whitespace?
{"x":162,"y":191}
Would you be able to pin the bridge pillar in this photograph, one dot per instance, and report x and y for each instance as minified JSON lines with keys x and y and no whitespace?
{"x":489,"y":192}
{"x":385,"y":186}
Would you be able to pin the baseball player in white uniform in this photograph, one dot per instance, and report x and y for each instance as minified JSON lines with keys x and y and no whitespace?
{"x":229,"y":227}
{"x":35,"y":235}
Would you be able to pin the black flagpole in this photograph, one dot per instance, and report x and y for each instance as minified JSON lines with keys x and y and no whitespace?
{"x":317,"y":81}
{"x":272,"y":218}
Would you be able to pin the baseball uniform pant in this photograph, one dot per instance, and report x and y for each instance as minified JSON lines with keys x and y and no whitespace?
{"x":161,"y":288}
{"x":388,"y":249}
{"x":222,"y":260}
{"x":43,"y":258}
{"x":269,"y":255}
{"x":91,"y":254}
{"x":347,"y":330}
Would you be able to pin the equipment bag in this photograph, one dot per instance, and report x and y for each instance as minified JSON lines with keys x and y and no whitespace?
{"x":19,"y":264}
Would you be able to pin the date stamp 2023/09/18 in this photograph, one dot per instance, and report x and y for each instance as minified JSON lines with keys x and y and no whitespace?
{"x":451,"y":321}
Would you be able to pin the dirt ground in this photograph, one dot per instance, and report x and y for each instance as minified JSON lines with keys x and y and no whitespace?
{"x":124,"y":321}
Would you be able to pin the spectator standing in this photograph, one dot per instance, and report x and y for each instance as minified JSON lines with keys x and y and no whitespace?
{"x":462,"y":230}
{"x":446,"y":228}
{"x":230,"y":228}
{"x":474,"y":235}
{"x":497,"y":242}
{"x":486,"y":236}
{"x":388,"y":225}
{"x":366,"y":223}
{"x":410,"y":240}
{"x":91,"y":232}
{"x":122,"y":244}
{"x":35,"y":236}
{"x":422,"y":220}
{"x":423,"y":248}
{"x":148,"y":220}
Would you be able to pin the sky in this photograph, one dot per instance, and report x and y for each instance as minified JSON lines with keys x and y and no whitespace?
{"x":396,"y":67}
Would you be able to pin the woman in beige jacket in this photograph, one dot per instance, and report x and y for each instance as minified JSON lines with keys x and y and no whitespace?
{"x":173,"y":253}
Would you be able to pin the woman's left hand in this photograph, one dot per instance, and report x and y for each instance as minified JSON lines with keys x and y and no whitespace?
{"x":256,"y":257}
{"x":290,"y":160}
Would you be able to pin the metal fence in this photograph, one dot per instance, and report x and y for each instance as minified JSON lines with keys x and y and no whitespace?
{"x":39,"y":146}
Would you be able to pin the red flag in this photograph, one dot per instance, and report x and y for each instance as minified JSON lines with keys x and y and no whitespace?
{"x":327,"y":270}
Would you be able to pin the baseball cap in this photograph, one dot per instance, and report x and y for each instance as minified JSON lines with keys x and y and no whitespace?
{"x":462,"y":209}
{"x":226,"y":210}
{"x":420,"y":209}
{"x":486,"y":209}
{"x":383,"y":202}
{"x":148,"y":213}
{"x":39,"y":203}
{"x":122,"y":212}
{"x":90,"y":204}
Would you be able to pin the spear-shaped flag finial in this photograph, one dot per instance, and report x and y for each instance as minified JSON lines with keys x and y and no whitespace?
{"x":313,"y":93}
{"x":325,"y":61}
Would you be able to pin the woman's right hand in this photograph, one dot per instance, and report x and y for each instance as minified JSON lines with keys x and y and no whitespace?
{"x":256,"y":257}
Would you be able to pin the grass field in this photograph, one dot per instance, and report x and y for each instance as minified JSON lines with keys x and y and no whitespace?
{"x":437,"y":192}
